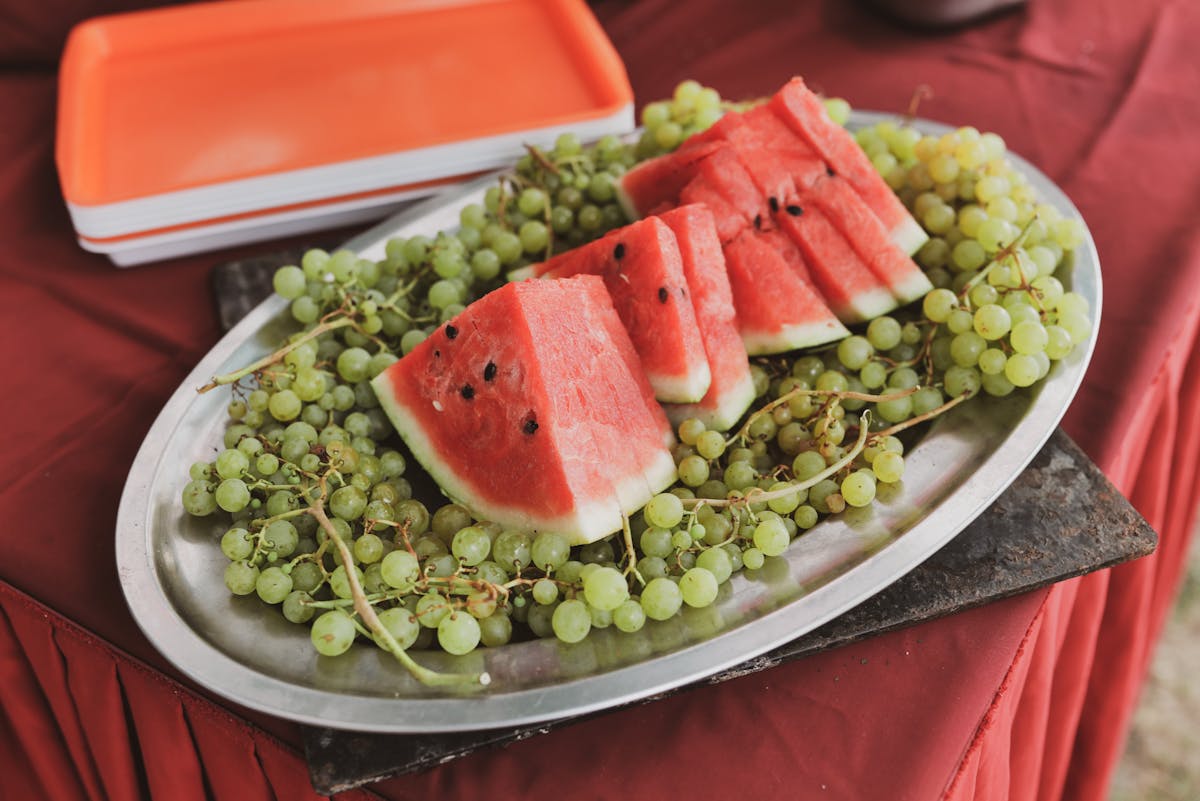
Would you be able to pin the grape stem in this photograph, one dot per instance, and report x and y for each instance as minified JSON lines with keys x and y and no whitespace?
{"x":630,"y":554}
{"x":744,"y":431}
{"x":367,"y":612}
{"x":921,"y":418}
{"x":271,"y":358}
{"x":758,"y":495}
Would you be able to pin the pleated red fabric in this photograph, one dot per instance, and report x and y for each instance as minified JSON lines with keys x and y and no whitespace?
{"x":1029,"y":698}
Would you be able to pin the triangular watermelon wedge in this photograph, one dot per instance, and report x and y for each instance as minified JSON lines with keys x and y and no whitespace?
{"x":868,"y":238}
{"x":805,"y":114}
{"x":853,"y":292}
{"x":642,"y":268}
{"x":525,"y":409}
{"x":777,"y":310}
{"x":721,"y":171}
{"x":732,"y":389}
{"x":658,"y":180}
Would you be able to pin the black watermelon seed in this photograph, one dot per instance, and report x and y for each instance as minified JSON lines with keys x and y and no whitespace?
{"x":829,"y":171}
{"x":530,"y":426}
{"x":437,"y":354}
{"x":489,"y":372}
{"x":663,"y":294}
{"x":619,"y":251}
{"x":794,"y":210}
{"x":467,"y":391}
{"x":773,"y":202}
{"x":451,"y":331}
{"x":758,"y":222}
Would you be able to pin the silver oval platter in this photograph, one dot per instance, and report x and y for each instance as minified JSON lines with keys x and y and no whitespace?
{"x":171,"y":567}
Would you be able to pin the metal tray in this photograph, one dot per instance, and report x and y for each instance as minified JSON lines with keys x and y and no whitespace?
{"x":171,"y":568}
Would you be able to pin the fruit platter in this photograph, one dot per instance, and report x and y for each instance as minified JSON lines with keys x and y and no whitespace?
{"x":630,"y":414}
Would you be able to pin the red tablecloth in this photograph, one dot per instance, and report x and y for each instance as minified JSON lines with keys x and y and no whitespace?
{"x":1023,"y":699}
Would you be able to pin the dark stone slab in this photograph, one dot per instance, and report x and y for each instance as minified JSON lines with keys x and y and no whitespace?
{"x":1061,"y":518}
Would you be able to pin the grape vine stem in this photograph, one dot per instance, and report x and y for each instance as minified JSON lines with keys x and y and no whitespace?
{"x":271,"y":358}
{"x":367,"y":612}
{"x":758,"y":495}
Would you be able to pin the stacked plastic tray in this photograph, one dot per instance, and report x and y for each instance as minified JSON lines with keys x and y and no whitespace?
{"x":197,"y":127}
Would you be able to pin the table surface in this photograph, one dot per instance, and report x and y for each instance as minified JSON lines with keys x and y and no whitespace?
{"x":1025,"y":698}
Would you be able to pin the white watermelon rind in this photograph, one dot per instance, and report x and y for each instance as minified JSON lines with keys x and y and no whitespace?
{"x":909,"y":236}
{"x":727,"y":409}
{"x":792,"y":337}
{"x":688,"y":388}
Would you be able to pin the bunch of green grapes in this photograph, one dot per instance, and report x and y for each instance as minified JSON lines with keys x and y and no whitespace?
{"x":667,"y":123}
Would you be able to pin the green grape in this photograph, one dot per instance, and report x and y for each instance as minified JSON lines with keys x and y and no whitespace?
{"x":431,"y":609}
{"x":888,"y":467}
{"x":753,"y":558}
{"x":534,"y":236}
{"x":855,"y":351}
{"x":549,"y":551}
{"x":296,"y":608}
{"x":273,"y":585}
{"x":241,"y":577}
{"x":961,"y":381}
{"x":859,"y":488}
{"x":544,"y":591}
{"x":284,"y":405}
{"x":471,"y":545}
{"x":771,"y":537}
{"x":698,"y":587}
{"x":661,"y":598}
{"x":571,"y":621}
{"x":333,"y":633}
{"x":717,"y":562}
{"x":966,"y":348}
{"x":1029,"y":337}
{"x":402,"y":624}
{"x":348,"y":502}
{"x":938,"y":304}
{"x":693,"y":471}
{"x":656,"y":541}
{"x":495,"y":630}
{"x":896,"y":410}
{"x":883,"y":333}
{"x":804,"y":517}
{"x":282,"y":537}
{"x":305,"y":310}
{"x":232,"y":495}
{"x":605,"y":588}
{"x":199,"y":499}
{"x":400,"y":569}
{"x":959,"y":321}
{"x":664,"y":510}
{"x":992,"y":321}
{"x":237,"y":544}
{"x":1022,"y":369}
{"x":629,"y":616}
{"x":458,"y":633}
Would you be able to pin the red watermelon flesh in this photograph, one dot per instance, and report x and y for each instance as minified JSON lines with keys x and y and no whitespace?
{"x":524,"y":409}
{"x":728,"y":221}
{"x":777,"y":310}
{"x":804,"y":112}
{"x":869,"y":238}
{"x":723,"y":171}
{"x":643,"y":271}
{"x":732,"y":389}
{"x":852,"y":290}
{"x":658,"y":180}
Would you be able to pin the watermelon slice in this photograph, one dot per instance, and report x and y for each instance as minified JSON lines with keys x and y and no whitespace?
{"x":658,"y":180}
{"x":868,"y":238}
{"x":852,"y":290}
{"x":642,"y":268}
{"x":777,"y":310}
{"x":525,"y":409}
{"x":732,"y":389}
{"x":804,"y":112}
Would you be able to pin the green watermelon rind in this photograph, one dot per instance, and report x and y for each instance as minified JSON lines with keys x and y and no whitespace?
{"x":587,"y":522}
{"x":909,"y":236}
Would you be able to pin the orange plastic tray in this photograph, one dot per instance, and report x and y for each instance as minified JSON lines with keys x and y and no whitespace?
{"x":177,"y":103}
